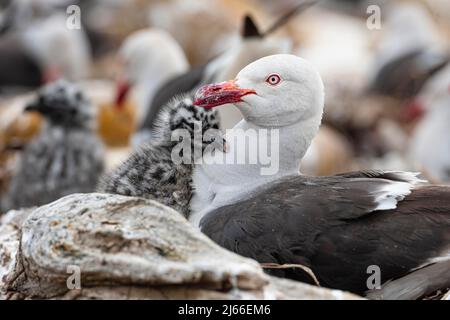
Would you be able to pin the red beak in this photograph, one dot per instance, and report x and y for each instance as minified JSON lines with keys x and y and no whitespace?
{"x":213,"y":95}
{"x":123,"y":87}
{"x":414,"y":110}
{"x":50,"y":74}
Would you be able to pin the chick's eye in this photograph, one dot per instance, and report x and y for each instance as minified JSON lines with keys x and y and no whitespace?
{"x":273,"y":79}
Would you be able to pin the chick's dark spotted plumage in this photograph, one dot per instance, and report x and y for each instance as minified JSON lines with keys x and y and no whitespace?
{"x":66,"y":157}
{"x":151,"y":172}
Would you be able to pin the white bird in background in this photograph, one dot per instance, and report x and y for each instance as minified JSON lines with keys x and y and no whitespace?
{"x":149,"y":58}
{"x":407,"y":27}
{"x":62,"y":51}
{"x":42,"y":51}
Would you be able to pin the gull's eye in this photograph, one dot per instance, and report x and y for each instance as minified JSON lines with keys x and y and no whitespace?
{"x":273,"y":79}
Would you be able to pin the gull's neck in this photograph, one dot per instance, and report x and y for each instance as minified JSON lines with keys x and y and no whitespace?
{"x":289,"y":143}
{"x":217,"y":185}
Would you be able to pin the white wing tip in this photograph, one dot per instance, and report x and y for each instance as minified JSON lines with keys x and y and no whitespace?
{"x":391,"y":194}
{"x":408,"y":176}
{"x":396,"y":190}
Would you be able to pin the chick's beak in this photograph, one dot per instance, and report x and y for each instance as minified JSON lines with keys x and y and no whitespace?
{"x":33,"y":106}
{"x":213,"y":95}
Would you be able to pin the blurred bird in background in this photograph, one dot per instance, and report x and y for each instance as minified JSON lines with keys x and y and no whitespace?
{"x":148,"y":58}
{"x":65,"y":157}
{"x":40,"y":50}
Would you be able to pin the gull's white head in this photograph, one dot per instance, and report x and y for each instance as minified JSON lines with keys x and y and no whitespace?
{"x":274,"y":91}
{"x":149,"y":57}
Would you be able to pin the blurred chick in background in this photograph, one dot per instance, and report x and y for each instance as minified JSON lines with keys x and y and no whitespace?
{"x":66,"y":157}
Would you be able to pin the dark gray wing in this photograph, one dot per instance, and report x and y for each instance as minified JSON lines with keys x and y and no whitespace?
{"x":329,"y":224}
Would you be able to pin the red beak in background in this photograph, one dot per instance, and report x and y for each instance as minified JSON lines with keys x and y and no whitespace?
{"x":50,"y":74}
{"x":123,"y":87}
{"x":213,"y":95}
{"x":414,"y":110}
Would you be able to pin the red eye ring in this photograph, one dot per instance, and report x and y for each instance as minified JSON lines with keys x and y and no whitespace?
{"x":273,"y":79}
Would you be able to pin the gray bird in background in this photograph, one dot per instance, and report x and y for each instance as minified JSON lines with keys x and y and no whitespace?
{"x":66,"y":157}
{"x":152,"y":172}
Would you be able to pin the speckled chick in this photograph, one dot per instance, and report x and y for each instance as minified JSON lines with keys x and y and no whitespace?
{"x":153,"y":171}
{"x":66,"y":157}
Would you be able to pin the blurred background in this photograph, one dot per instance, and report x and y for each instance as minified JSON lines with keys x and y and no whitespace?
{"x":387,"y":86}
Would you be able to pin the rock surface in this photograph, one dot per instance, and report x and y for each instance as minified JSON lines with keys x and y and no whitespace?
{"x":114,"y":247}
